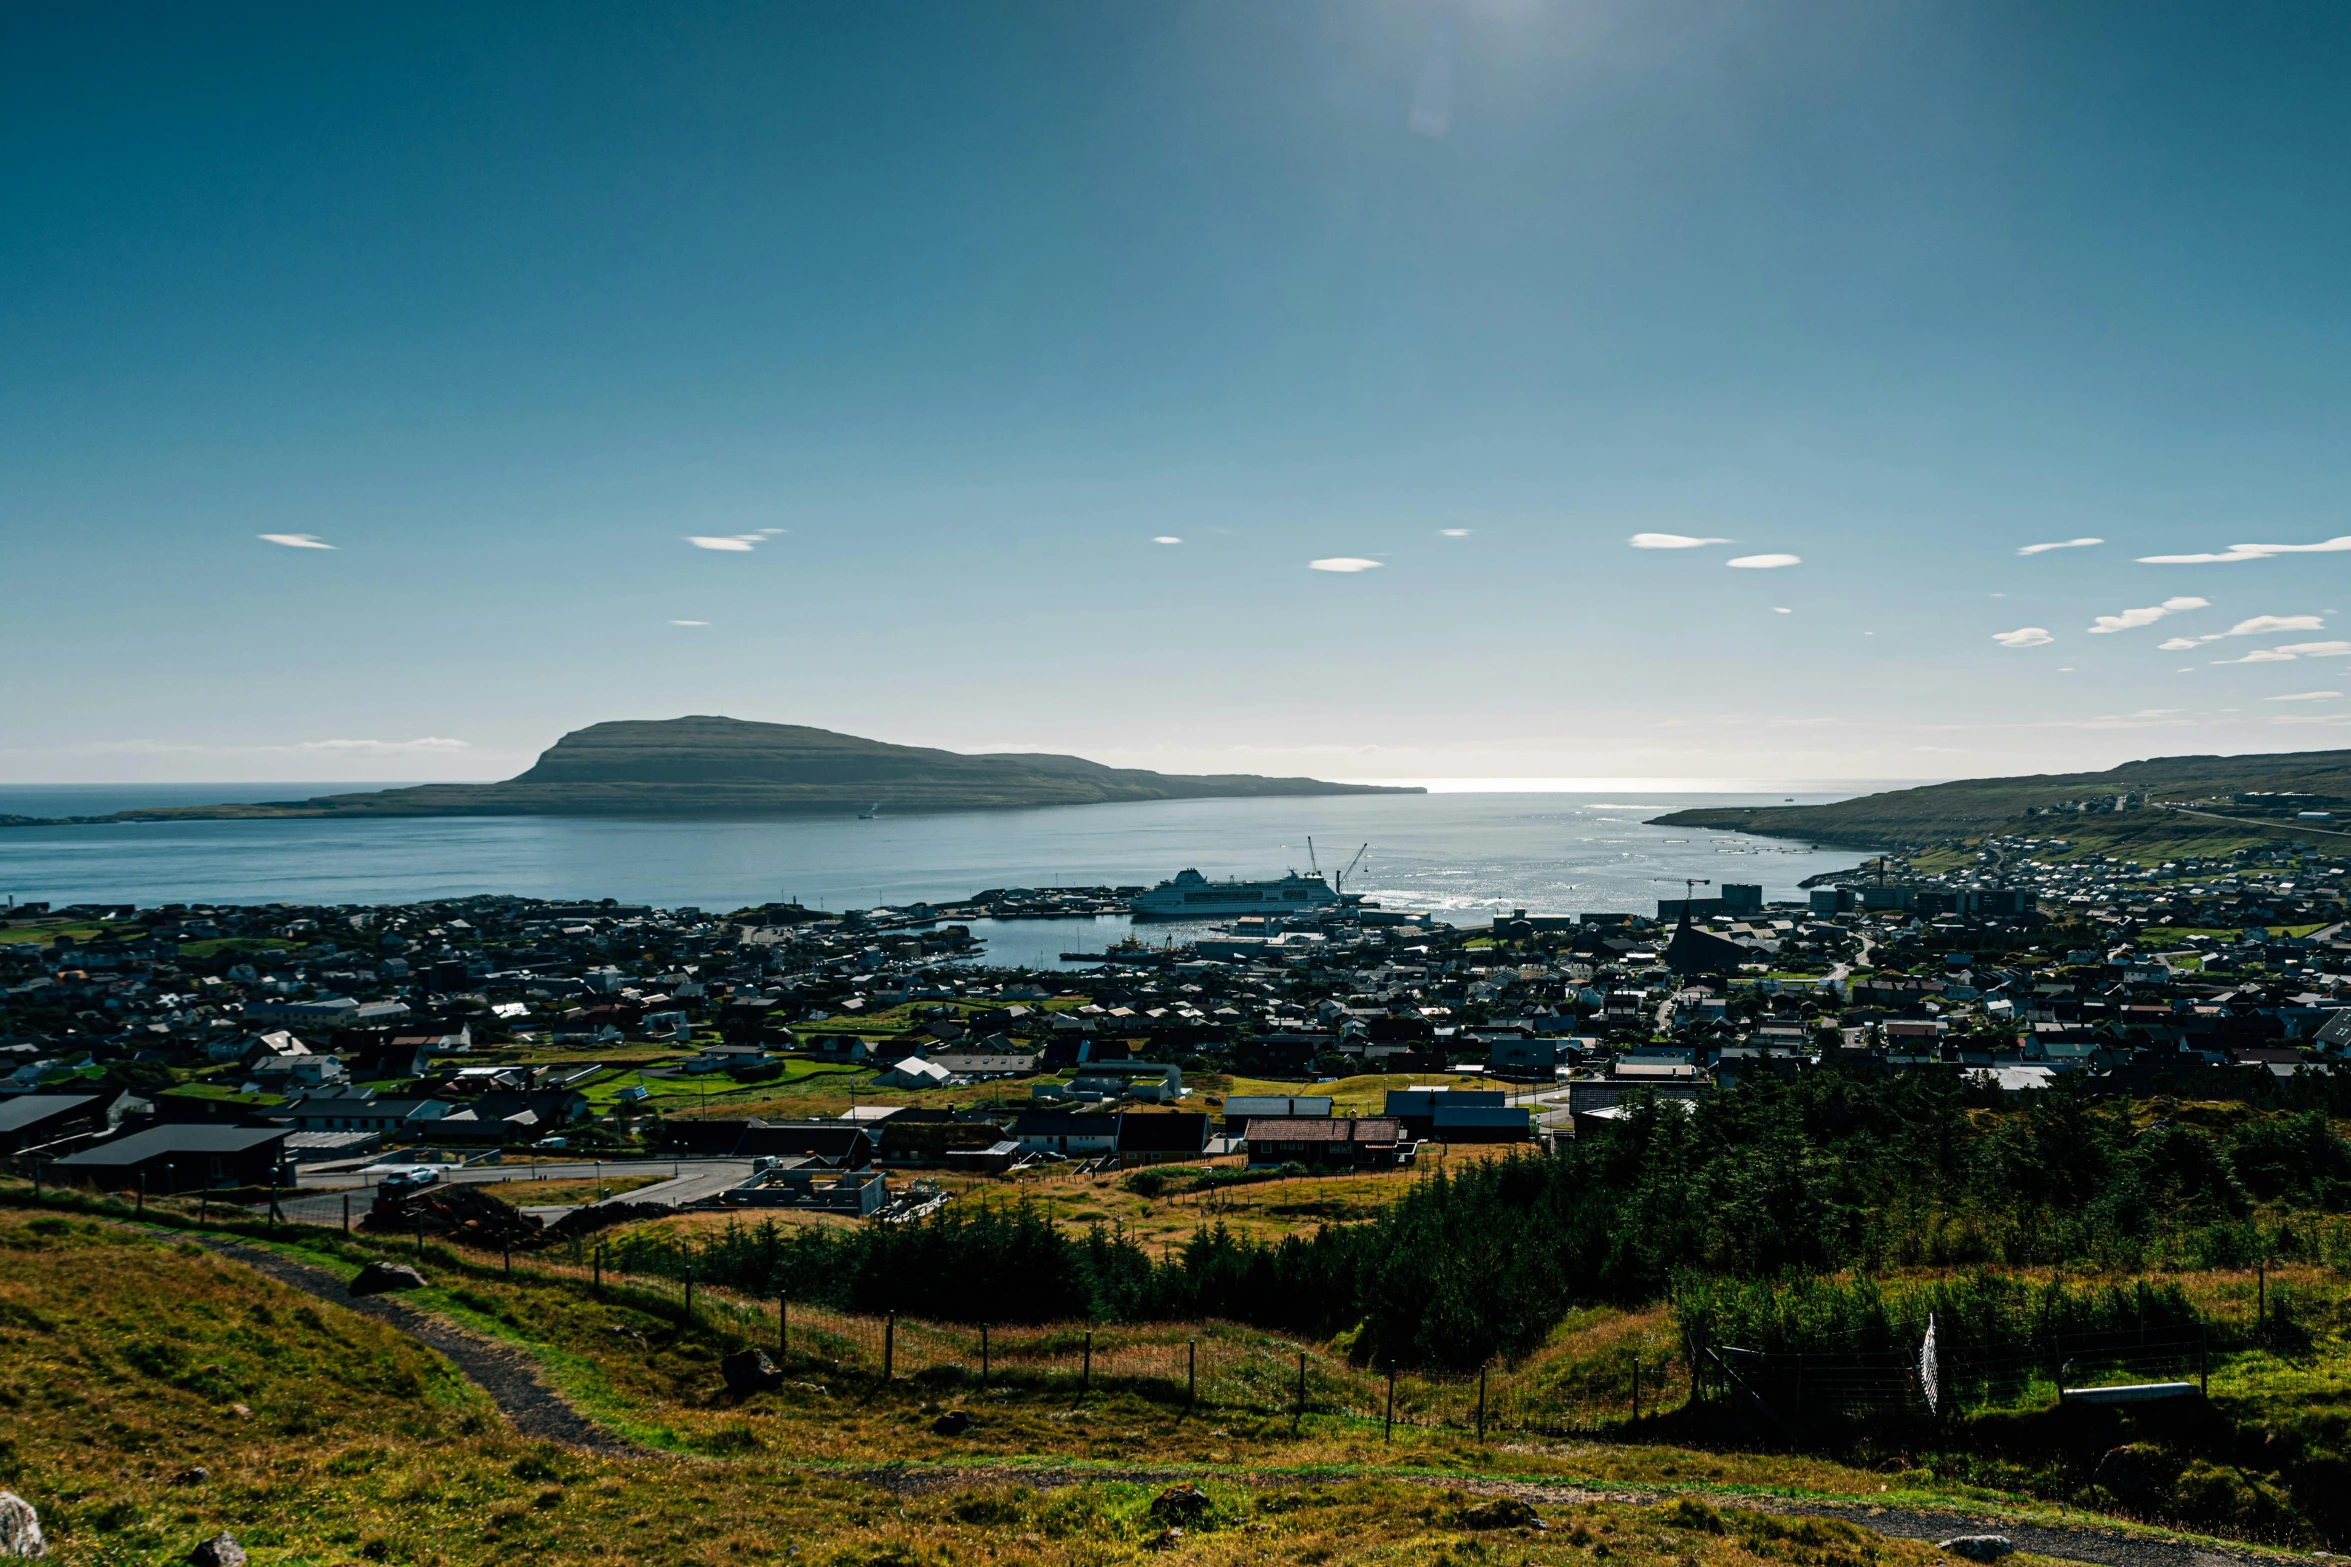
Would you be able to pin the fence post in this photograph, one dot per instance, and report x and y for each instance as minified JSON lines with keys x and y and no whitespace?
{"x":1086,"y":1369}
{"x":1191,"y":1374}
{"x":599,"y":1263}
{"x":142,"y":1207}
{"x":889,"y":1345}
{"x":508,"y":1239}
{"x":1388,"y":1426}
{"x":783,"y":1323}
{"x":420,"y":1235}
{"x":346,"y":1213}
{"x":689,"y":1292}
{"x":203,"y":1199}
{"x":1481,"y":1403}
{"x":1300,"y":1413}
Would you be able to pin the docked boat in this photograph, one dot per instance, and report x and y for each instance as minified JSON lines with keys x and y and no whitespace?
{"x":1190,"y":895}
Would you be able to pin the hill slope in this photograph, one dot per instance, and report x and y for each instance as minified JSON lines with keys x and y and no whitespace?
{"x":2044,"y":804}
{"x":708,"y":766}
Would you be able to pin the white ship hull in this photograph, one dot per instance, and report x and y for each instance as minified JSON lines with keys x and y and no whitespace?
{"x":1192,"y":896}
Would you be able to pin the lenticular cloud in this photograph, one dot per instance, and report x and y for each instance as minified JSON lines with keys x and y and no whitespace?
{"x":1669,"y":541}
{"x":2237,"y":552}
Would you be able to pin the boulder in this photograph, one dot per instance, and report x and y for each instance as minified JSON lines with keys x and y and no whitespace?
{"x":379,"y":1277}
{"x":2128,"y":1474}
{"x":1977,"y":1547}
{"x":953,"y":1423}
{"x":749,"y":1371}
{"x":1181,"y":1504}
{"x":1501,"y":1512}
{"x":222,"y":1550}
{"x":20,"y":1527}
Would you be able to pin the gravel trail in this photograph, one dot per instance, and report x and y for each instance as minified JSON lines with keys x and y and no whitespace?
{"x":536,"y":1410}
{"x":505,"y":1373}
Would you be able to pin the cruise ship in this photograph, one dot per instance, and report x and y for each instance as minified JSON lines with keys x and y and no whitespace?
{"x":1190,"y":895}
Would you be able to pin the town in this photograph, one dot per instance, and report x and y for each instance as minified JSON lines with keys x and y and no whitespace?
{"x":176,"y":1048}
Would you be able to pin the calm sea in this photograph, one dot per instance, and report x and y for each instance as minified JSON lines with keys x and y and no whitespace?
{"x":1464,"y":856}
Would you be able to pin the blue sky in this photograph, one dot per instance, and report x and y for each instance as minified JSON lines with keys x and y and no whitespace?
{"x":947,"y":313}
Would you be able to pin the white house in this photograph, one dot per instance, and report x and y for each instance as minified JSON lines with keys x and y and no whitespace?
{"x":914,"y":1072}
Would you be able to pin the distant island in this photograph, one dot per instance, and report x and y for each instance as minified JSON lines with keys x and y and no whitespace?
{"x":720,"y":767}
{"x":2168,"y":805}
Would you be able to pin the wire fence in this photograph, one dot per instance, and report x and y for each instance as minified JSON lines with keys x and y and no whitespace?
{"x":1232,"y":1369}
{"x":1793,"y":1390}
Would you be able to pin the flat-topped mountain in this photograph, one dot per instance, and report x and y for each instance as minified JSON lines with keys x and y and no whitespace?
{"x":705,"y":766}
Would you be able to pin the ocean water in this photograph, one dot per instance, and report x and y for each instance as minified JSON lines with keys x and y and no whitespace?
{"x":1465,"y":857}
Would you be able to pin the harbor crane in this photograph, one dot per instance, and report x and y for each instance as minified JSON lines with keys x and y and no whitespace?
{"x":1690,"y":884}
{"x":1338,"y":879}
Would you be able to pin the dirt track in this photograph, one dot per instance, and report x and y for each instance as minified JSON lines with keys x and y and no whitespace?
{"x":536,"y":1410}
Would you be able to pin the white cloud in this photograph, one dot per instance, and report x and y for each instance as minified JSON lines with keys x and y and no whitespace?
{"x":2067,"y":544}
{"x":384,"y":747}
{"x":2237,"y":552}
{"x":1454,"y":533}
{"x":1764,"y":562}
{"x":775,"y":530}
{"x":1167,"y":538}
{"x":1775,"y":609}
{"x":1344,"y":563}
{"x":1669,"y":541}
{"x":689,"y":622}
{"x":2263,"y":625}
{"x":2181,"y":644}
{"x":2304,"y":696}
{"x":2266,"y":655}
{"x":2132,"y":619}
{"x":2024,"y":636}
{"x":297,"y":541}
{"x":732,"y":541}
{"x":2316,"y":649}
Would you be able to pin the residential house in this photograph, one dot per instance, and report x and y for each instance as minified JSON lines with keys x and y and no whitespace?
{"x":1321,"y":1142}
{"x":1078,"y":1135}
{"x":1156,"y":1139}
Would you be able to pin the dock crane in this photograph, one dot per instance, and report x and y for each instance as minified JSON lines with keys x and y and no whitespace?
{"x":1339,"y":881}
{"x":1690,"y":884}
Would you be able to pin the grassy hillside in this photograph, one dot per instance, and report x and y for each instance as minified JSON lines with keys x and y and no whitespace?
{"x":709,"y":766}
{"x":128,"y":1362}
{"x":2189,"y":806}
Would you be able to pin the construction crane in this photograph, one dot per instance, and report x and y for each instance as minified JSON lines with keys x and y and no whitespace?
{"x":1690,"y":884}
{"x":1339,"y":882}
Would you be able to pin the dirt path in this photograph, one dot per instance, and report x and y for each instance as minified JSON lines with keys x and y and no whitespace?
{"x":2103,"y":1547}
{"x":535,"y":1410}
{"x":505,"y":1373}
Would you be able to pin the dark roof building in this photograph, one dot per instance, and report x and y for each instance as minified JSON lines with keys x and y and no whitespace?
{"x":1150,"y":1139}
{"x":29,"y":1120}
{"x":186,"y":1157}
